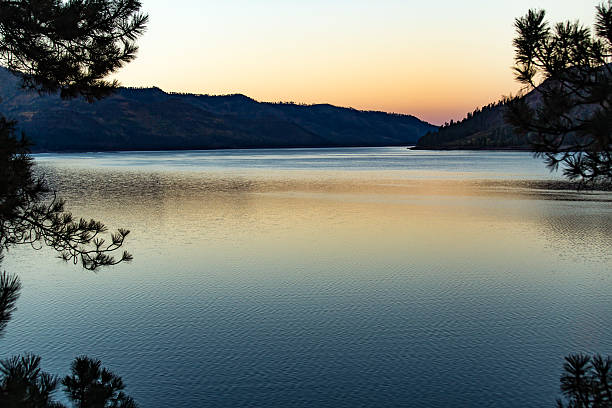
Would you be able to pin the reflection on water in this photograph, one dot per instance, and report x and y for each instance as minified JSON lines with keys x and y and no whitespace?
{"x":457,"y":164}
{"x":322,"y":283}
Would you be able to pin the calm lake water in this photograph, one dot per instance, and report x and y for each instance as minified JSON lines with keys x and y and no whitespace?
{"x":325,"y":278}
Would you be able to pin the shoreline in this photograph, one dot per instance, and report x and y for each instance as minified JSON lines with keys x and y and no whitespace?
{"x":170,"y":149}
{"x":483,"y":148}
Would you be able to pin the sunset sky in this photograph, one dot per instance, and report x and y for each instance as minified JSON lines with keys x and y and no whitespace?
{"x":433,"y":59}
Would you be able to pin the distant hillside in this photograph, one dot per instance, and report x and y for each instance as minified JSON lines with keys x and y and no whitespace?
{"x":151,"y":119}
{"x":484,"y":128}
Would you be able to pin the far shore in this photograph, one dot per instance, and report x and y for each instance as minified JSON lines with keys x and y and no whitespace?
{"x":170,"y":149}
{"x":487,"y":148}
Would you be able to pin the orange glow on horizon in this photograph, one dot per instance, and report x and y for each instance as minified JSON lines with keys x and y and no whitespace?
{"x":433,"y":61}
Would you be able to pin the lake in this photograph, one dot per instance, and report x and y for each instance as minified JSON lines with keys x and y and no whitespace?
{"x":362,"y":277}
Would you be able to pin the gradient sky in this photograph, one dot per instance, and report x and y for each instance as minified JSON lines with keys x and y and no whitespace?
{"x":433,"y":59}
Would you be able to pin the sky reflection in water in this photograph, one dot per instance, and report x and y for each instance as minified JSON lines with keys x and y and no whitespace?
{"x":341,"y":277}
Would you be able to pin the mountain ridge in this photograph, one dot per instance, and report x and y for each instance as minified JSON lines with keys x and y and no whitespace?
{"x":483,"y":129}
{"x":152,"y":119}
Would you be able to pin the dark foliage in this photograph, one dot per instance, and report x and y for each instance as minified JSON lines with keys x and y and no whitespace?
{"x":92,"y":386}
{"x":69,"y":46}
{"x":26,"y":217}
{"x":586,"y":382}
{"x":570,"y":121}
{"x":10,"y":286}
{"x":65,"y":47}
{"x":24,"y":385}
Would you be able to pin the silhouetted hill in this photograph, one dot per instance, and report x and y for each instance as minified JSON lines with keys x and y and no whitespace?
{"x":484,"y":128}
{"x":151,"y":119}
